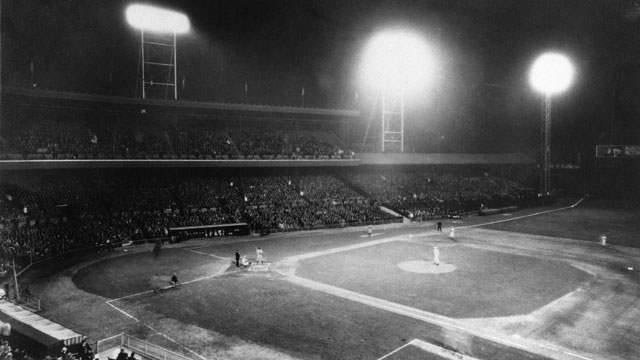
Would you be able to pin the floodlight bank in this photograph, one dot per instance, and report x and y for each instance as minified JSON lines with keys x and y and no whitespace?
{"x":155,"y":19}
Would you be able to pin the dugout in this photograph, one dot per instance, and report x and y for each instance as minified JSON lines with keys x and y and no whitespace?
{"x":40,"y":335}
{"x":190,"y":232}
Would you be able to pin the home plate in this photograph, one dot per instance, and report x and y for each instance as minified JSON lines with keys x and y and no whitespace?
{"x":260,"y":267}
{"x":426,"y":267}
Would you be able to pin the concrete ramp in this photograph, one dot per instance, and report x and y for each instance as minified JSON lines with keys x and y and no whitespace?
{"x":393,"y":213}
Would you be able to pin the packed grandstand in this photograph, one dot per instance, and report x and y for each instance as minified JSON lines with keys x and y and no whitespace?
{"x":51,"y":213}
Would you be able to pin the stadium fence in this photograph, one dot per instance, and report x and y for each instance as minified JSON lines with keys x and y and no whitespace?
{"x":140,"y":347}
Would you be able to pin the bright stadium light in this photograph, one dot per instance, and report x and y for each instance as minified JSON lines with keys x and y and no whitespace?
{"x":551,"y":74}
{"x":155,"y":19}
{"x":397,"y":60}
{"x":158,"y":51}
{"x":396,"y":64}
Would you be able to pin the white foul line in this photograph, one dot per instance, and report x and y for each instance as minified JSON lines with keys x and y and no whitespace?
{"x":523,"y":216}
{"x":122,"y":311}
{"x":109,"y":302}
{"x":175,"y":342}
{"x":208,"y":254}
{"x":396,"y":350}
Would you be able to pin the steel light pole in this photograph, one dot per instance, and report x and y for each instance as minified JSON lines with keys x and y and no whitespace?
{"x":158,"y":28}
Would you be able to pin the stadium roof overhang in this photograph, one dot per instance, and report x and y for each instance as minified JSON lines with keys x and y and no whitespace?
{"x":178,"y":106}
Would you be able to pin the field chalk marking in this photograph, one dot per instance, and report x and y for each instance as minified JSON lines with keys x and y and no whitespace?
{"x":432,"y":318}
{"x":109,"y":302}
{"x":433,"y":349}
{"x":440,"y":351}
{"x":396,"y":350}
{"x":208,"y":254}
{"x":123,"y":312}
{"x":219,"y":272}
{"x":175,"y":342}
{"x":522,"y":216}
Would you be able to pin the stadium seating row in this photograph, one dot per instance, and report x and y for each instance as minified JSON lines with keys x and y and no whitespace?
{"x":49,"y":214}
{"x":44,"y":137}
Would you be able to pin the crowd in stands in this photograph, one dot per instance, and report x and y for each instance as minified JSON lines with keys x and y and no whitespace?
{"x":428,"y":195}
{"x":306,"y":202}
{"x":84,"y":351}
{"x":46,"y":138}
{"x":53,"y":213}
{"x":47,"y":215}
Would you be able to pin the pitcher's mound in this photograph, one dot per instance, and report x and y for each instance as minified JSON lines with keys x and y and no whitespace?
{"x":425,"y":267}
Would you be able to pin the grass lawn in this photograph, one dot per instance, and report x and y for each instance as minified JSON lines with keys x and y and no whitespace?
{"x":267,"y":310}
{"x":485,"y":283}
{"x":622,"y":226}
{"x":132,"y":273}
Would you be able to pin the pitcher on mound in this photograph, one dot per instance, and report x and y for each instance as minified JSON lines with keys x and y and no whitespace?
{"x":436,"y":256}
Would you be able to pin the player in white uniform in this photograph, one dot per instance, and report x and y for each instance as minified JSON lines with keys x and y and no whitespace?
{"x":259,"y":256}
{"x":244,"y":261}
{"x":436,"y":255}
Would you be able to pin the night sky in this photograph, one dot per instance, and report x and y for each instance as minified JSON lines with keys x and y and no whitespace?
{"x":279,"y":46}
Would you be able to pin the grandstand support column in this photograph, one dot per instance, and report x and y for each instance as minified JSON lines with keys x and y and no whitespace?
{"x":547,"y":144}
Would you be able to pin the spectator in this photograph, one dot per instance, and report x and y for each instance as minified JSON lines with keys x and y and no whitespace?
{"x":122,"y":355}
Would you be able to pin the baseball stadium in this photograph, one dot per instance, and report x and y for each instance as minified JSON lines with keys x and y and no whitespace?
{"x":438,"y":180}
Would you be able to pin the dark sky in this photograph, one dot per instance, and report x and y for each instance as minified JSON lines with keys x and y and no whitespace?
{"x":279,"y":46}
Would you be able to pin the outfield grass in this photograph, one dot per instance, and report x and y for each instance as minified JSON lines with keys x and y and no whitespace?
{"x":622,"y":226}
{"x":485,"y":283}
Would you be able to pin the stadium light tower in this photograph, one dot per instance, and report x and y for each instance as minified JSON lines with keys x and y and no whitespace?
{"x":396,"y":63}
{"x":551,"y":74}
{"x":158,"y":28}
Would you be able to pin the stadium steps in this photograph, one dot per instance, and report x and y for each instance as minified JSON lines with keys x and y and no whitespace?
{"x":393,"y":213}
{"x":357,"y":188}
{"x":360,"y":190}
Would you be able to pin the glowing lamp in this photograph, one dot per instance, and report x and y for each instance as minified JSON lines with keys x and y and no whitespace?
{"x":155,"y":19}
{"x":397,"y":60}
{"x":551,"y":73}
